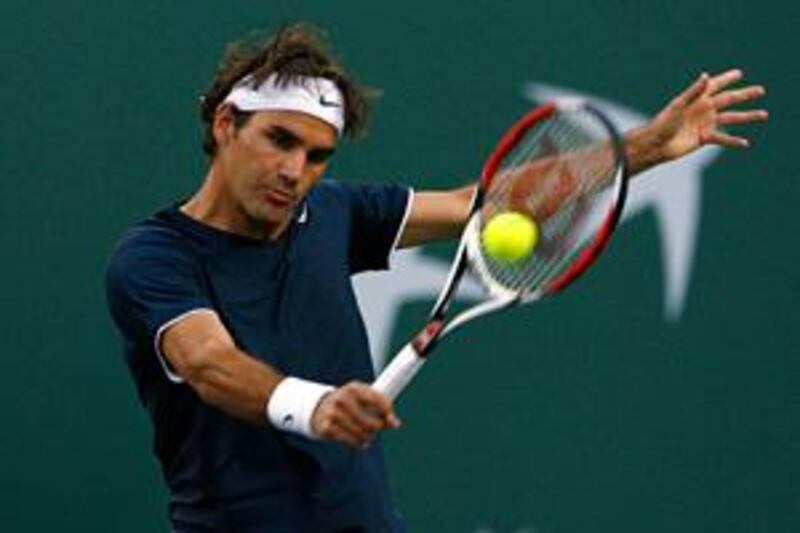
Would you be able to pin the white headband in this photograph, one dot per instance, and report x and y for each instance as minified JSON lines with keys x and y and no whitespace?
{"x":318,"y":97}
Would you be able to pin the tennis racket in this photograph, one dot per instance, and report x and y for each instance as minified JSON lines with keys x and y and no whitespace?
{"x":563,"y":167}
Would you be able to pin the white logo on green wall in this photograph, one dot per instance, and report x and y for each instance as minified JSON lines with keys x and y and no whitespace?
{"x":673,"y":192}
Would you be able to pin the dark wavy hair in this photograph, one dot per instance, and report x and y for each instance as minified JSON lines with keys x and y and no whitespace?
{"x":294,"y":50}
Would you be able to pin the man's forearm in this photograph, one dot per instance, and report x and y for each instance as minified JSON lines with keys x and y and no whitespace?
{"x":437,"y":215}
{"x":251,"y":390}
{"x":642,"y":150}
{"x":203,"y":354}
{"x":235,"y":382}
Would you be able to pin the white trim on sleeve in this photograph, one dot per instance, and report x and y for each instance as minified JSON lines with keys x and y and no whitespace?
{"x":402,"y":227}
{"x":171,"y":375}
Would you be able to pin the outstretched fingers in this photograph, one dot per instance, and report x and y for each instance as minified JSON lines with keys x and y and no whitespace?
{"x":726,"y":139}
{"x":698,"y":116}
{"x":742,"y":117}
{"x":728,"y":98}
{"x":692,"y":93}
{"x":720,"y":81}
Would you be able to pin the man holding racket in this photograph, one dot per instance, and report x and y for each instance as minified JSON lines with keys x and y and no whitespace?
{"x":238,"y":319}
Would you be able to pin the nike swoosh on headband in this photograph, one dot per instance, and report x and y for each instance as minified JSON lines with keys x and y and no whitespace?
{"x":318,"y":97}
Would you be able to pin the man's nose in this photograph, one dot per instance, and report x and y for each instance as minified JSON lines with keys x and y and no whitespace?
{"x":293,"y":164}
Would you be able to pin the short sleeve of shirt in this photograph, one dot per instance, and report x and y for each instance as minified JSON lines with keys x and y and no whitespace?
{"x":151,"y":282}
{"x":379,"y":212}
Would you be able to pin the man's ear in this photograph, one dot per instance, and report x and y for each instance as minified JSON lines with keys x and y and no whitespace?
{"x":223,"y":126}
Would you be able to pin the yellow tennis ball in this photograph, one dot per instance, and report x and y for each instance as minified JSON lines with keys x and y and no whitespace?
{"x":510,"y":237}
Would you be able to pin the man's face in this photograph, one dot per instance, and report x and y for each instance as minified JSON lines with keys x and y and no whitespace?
{"x":272,"y":162}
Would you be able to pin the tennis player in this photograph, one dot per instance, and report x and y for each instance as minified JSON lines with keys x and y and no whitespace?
{"x":236,"y":309}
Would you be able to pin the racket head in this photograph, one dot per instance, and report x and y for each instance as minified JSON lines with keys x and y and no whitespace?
{"x":562,"y":166}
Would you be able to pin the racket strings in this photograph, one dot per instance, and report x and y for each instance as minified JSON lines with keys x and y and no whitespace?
{"x":526,"y":155}
{"x":557,"y":174}
{"x":498,"y":197}
{"x":568,"y":233}
{"x":561,"y":243}
{"x":558,"y":249}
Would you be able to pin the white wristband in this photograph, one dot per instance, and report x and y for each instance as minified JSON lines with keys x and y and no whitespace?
{"x":292,"y":405}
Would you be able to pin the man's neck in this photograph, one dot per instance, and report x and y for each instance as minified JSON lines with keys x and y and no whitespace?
{"x":214,"y":207}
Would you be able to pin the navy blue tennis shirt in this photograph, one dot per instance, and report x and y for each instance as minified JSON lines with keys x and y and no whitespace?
{"x":289,"y":303}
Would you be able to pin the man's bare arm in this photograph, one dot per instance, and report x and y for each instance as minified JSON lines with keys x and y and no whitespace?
{"x":202,"y":352}
{"x":694,"y":118}
{"x":437,"y":215}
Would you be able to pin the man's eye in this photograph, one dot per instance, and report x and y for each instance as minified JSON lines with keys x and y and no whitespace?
{"x":281,"y":140}
{"x":319,"y":156}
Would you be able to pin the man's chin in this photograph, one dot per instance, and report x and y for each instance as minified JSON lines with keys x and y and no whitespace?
{"x":271,"y":216}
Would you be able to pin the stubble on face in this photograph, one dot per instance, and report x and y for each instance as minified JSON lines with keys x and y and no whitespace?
{"x":272,"y":163}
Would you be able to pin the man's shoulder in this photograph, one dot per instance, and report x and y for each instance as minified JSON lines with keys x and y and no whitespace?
{"x":329,"y":189}
{"x":156,"y":238}
{"x":156,"y":231}
{"x":339,"y":186}
{"x":346,"y":192}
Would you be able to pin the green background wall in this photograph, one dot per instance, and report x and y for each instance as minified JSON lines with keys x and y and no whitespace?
{"x":594,"y":415}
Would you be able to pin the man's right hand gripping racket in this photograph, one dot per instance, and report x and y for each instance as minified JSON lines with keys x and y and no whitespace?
{"x":563,"y":167}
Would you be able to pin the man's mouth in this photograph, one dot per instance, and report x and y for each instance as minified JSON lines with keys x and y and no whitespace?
{"x":278,"y":197}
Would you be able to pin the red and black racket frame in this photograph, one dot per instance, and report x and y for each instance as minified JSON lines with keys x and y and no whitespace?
{"x":427,"y":338}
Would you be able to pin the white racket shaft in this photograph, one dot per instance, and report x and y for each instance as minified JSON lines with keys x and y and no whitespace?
{"x":399,"y":373}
